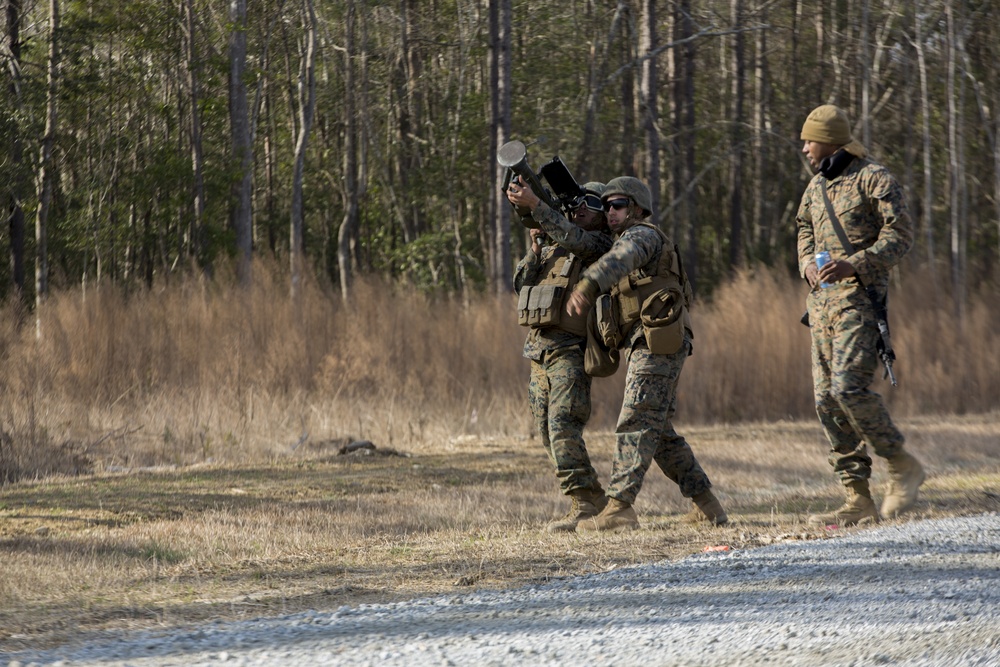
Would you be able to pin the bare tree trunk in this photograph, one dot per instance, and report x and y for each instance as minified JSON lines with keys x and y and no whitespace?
{"x":270,"y":203}
{"x":673,"y":141}
{"x":495,"y":208}
{"x":821,"y":59}
{"x":307,"y":106}
{"x":626,"y":146}
{"x":191,"y":55}
{"x":411,"y":106}
{"x":737,"y":121}
{"x":15,"y":219}
{"x":956,"y":167}
{"x":686,"y":109}
{"x":866,"y":67}
{"x":793,"y":66}
{"x":909,"y":140}
{"x":45,"y":167}
{"x":926,"y":209}
{"x":364,"y":132}
{"x":242,"y":149}
{"x":649,"y":98}
{"x":350,"y":222}
{"x":502,"y":277}
{"x":762,"y":209}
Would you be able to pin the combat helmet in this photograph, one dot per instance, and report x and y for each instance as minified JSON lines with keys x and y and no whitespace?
{"x":631,"y":187}
{"x":593,"y":187}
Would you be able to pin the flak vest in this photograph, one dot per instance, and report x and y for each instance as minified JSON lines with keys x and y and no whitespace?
{"x":660,"y":301}
{"x":543,"y":305}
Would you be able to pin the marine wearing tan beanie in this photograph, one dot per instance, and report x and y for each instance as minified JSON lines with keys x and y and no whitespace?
{"x":828,"y":124}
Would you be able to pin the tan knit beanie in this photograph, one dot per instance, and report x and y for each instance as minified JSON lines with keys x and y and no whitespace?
{"x":828,"y":124}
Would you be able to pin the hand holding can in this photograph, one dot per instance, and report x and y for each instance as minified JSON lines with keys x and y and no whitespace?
{"x":823,"y":258}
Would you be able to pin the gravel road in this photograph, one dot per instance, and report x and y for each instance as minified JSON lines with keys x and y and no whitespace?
{"x":919,"y":593}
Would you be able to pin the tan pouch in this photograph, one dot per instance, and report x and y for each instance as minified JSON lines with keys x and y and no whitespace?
{"x":533,"y":312}
{"x":522,"y":305}
{"x":662,"y":317}
{"x":628,"y":300}
{"x":549,"y":300}
{"x":607,"y":321}
{"x":598,"y":359}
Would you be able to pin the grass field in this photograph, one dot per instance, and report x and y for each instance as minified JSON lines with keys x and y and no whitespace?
{"x":172,"y":455}
{"x":317,"y":529}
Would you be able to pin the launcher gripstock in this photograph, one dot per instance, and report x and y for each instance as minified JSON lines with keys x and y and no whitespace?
{"x":514,"y":156}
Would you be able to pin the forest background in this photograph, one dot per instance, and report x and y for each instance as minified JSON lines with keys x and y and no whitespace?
{"x":259,"y":225}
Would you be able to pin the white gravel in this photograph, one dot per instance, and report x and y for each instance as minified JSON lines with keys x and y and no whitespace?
{"x":920,"y":593}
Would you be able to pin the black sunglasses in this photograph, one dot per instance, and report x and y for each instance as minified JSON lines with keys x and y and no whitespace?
{"x":593,"y":202}
{"x":617,"y":204}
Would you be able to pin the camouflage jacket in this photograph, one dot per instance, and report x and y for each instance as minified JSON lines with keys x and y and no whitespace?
{"x":638,"y":247}
{"x":869,"y":204}
{"x":588,"y":246}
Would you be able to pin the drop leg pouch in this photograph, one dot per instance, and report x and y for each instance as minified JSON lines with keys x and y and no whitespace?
{"x":598,"y":359}
{"x":662,"y":316}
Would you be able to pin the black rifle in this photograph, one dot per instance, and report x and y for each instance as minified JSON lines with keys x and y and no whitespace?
{"x":565,"y":190}
{"x":884,"y":344}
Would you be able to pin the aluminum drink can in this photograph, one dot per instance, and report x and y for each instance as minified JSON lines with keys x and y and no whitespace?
{"x":823,"y":258}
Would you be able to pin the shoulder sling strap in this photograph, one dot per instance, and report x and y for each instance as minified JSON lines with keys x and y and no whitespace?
{"x":886,"y":352}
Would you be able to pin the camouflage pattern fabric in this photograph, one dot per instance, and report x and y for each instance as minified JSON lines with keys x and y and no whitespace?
{"x":637,"y":247}
{"x":559,"y":395}
{"x":869,"y":204}
{"x":559,"y":389}
{"x":588,"y":246}
{"x":645,"y":432}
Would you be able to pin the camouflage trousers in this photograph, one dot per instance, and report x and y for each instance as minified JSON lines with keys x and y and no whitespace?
{"x":844,"y":362}
{"x":645,"y":433}
{"x":559,"y":394}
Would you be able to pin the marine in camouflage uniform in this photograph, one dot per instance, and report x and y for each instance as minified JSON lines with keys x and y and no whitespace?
{"x":645,"y":432}
{"x":559,"y":388}
{"x":868,"y":202}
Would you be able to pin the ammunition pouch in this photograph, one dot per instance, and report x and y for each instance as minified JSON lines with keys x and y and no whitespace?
{"x":543,"y":305}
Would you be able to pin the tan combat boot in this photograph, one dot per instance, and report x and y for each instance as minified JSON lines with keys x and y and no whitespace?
{"x":587,"y":503}
{"x":706,"y":508}
{"x":907,"y":475}
{"x":859,"y":508}
{"x":618,"y":516}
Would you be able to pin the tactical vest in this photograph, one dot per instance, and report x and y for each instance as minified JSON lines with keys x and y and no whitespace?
{"x":544,"y":305}
{"x":659,"y":300}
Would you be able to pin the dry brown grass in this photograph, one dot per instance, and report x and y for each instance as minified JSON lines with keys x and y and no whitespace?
{"x":204,"y":372}
{"x":171,"y":455}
